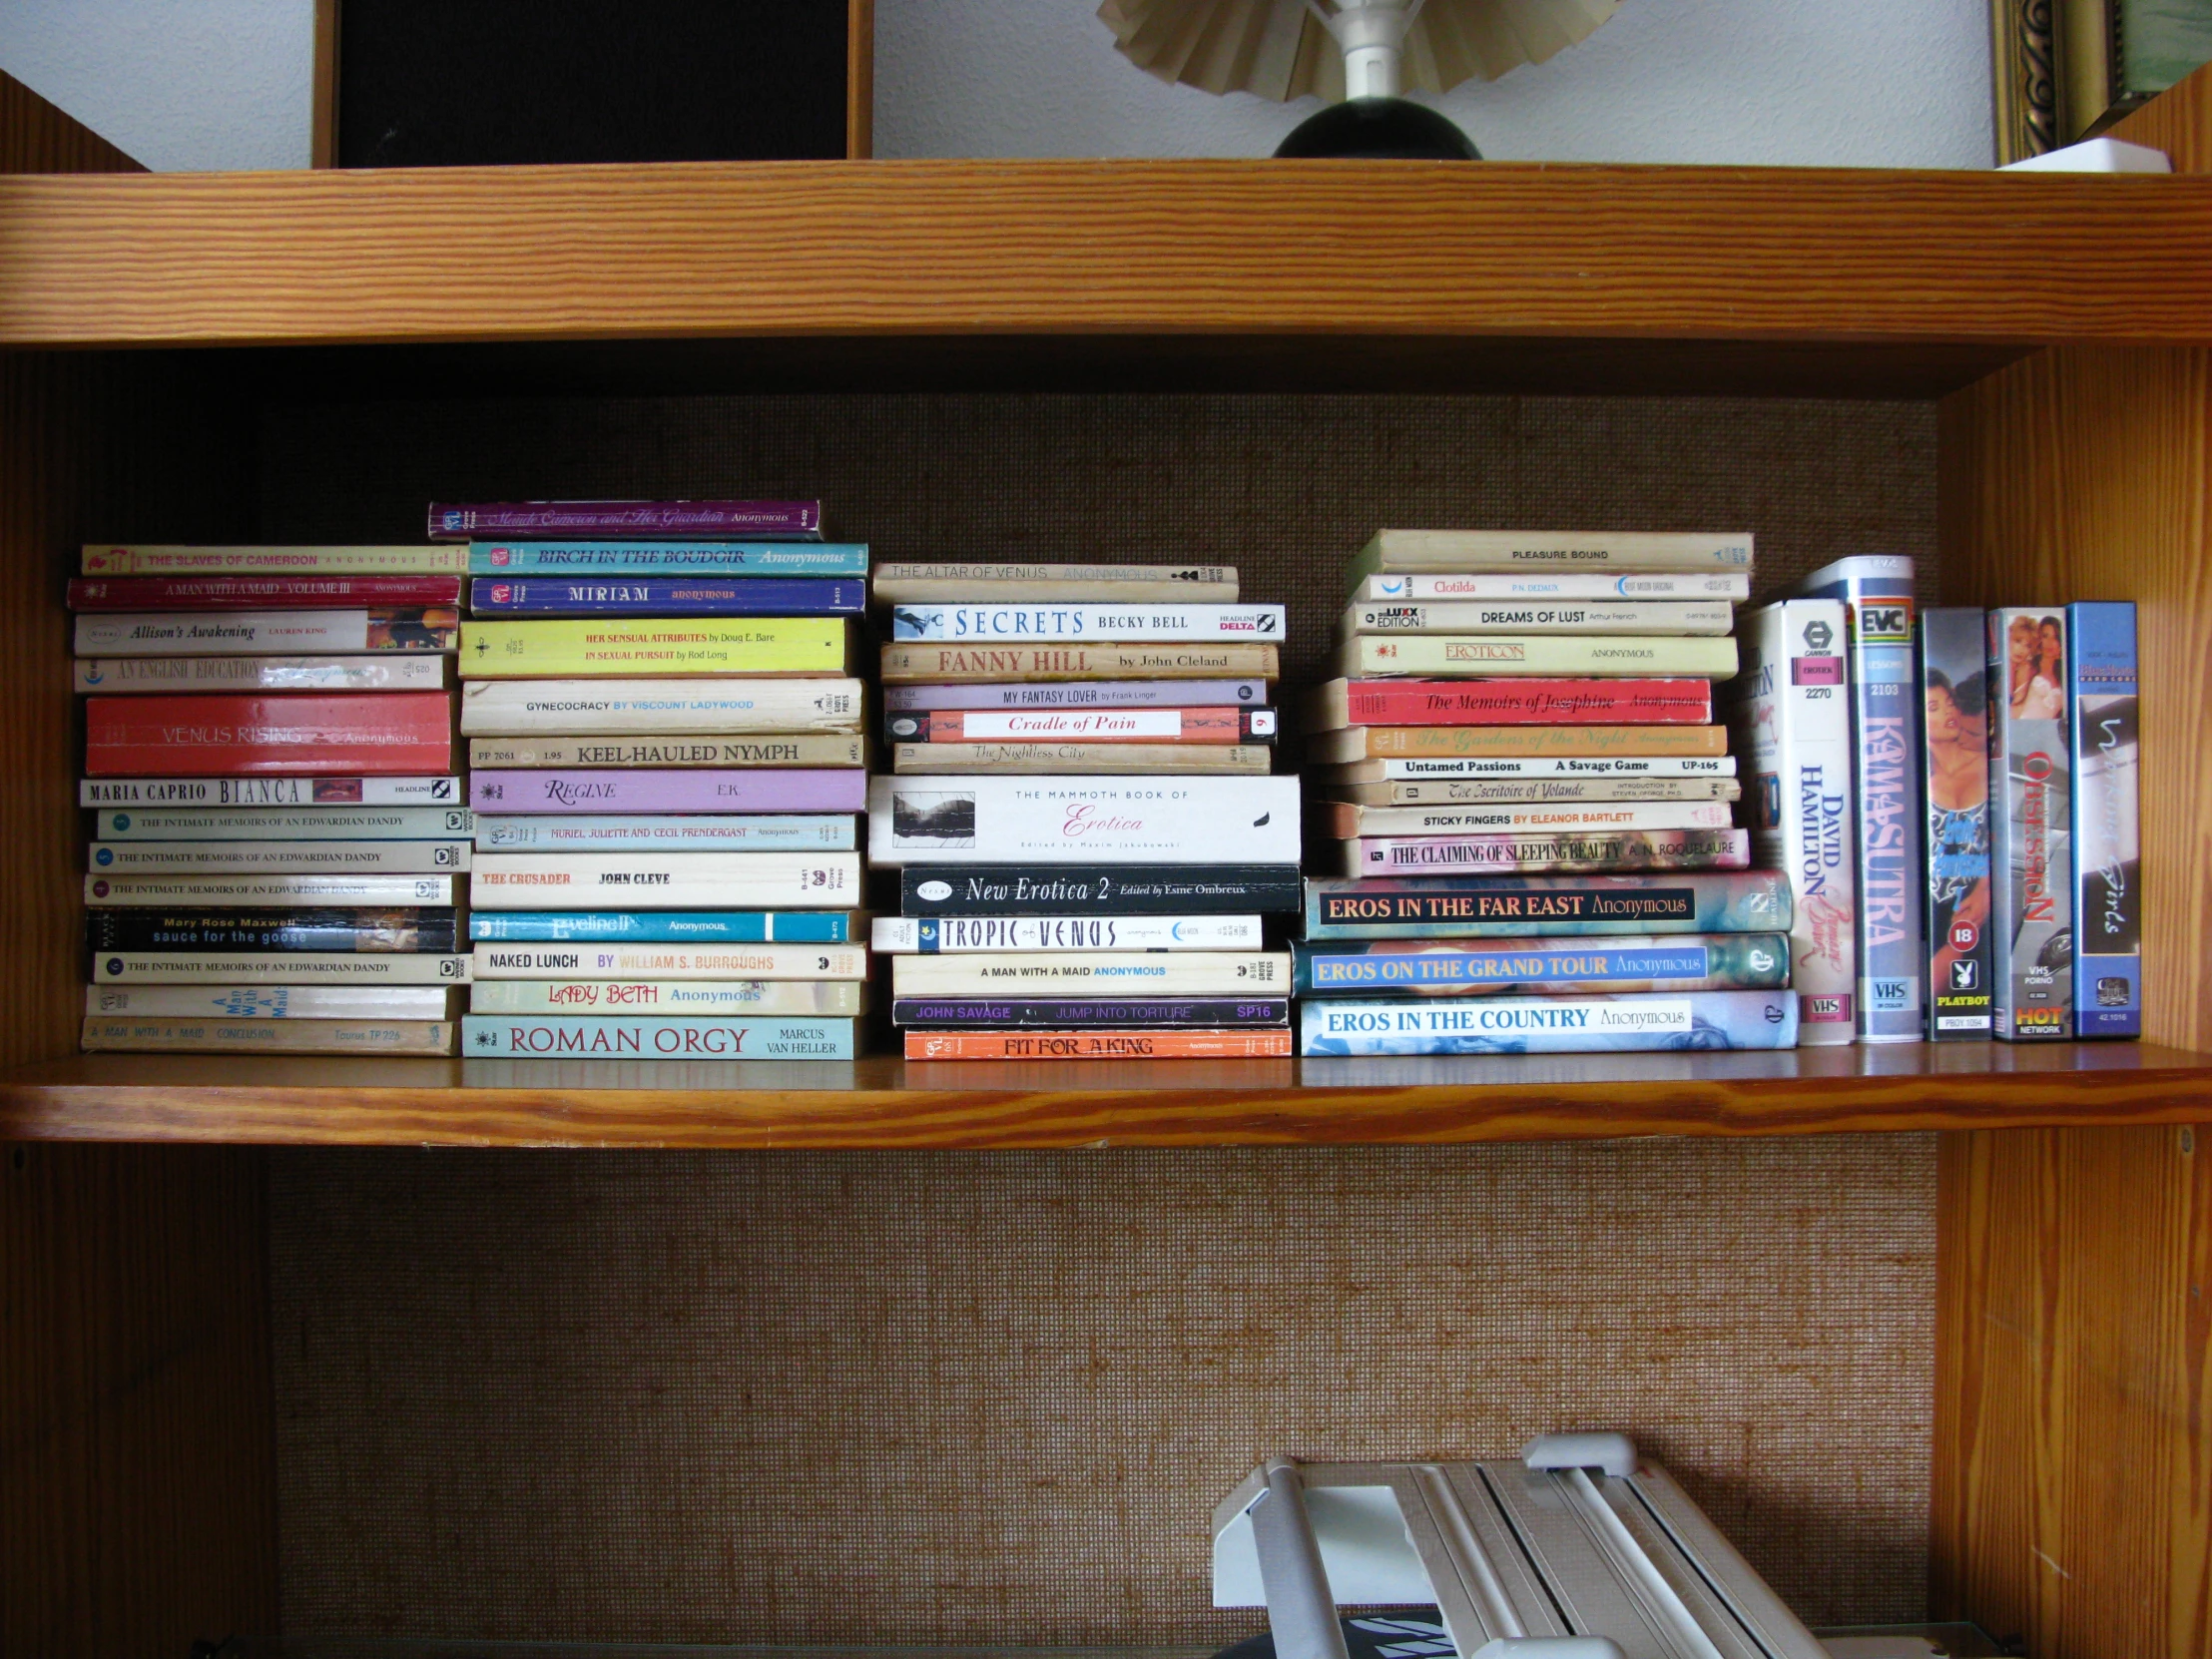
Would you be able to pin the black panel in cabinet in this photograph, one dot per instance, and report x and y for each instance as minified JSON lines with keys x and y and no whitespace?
{"x":431,"y":83}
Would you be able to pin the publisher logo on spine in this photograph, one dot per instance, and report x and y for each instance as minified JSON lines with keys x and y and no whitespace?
{"x":1887,"y":623}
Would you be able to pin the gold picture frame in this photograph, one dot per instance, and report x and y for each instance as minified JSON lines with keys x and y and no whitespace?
{"x":2058,"y":69}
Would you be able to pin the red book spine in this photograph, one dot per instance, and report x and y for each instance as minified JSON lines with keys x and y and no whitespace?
{"x":1098,"y":1045}
{"x":1531,"y":702}
{"x":376,"y":733}
{"x":258,"y":593}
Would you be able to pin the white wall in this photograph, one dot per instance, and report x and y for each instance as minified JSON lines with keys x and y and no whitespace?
{"x":190,"y":84}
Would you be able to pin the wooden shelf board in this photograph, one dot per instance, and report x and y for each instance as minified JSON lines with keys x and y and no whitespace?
{"x":1275,"y":250}
{"x":884,"y":1102}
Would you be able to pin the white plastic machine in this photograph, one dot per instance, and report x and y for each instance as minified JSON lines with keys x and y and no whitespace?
{"x":1577,"y":1551}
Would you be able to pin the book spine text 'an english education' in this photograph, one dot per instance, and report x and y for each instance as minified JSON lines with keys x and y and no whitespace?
{"x":1876,"y":592}
{"x":2032,"y":826}
{"x":1954,"y":784}
{"x":1691,"y":1021}
{"x":2107,"y":842}
{"x":1791,"y":715}
{"x":671,"y":926}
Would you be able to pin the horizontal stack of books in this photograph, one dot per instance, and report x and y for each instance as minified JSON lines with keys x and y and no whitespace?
{"x":278,"y":827}
{"x":1082,"y":813}
{"x":668,"y":754}
{"x":1518,"y":751}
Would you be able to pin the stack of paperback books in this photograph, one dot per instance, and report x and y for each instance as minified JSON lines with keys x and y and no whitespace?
{"x":1082,"y":813}
{"x":667,"y":757}
{"x":277,"y":822}
{"x":1519,"y":764}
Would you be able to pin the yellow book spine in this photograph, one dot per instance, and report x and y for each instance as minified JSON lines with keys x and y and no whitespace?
{"x":549,"y":648}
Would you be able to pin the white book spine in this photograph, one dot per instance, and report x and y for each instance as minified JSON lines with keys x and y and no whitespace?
{"x":1502,"y":656}
{"x":389,"y":671}
{"x":271,"y":1001}
{"x":665,"y":881}
{"x":326,"y":824}
{"x":1136,"y":622}
{"x":942,"y":584}
{"x":272,"y":1037}
{"x":835,"y":998}
{"x":1100,"y":973}
{"x":671,"y":962}
{"x":1629,"y":766}
{"x":1527,"y":820}
{"x":1072,"y":821}
{"x":277,"y":858}
{"x":277,"y":892}
{"x":1541,"y":616}
{"x":342,"y":793}
{"x":673,"y":833}
{"x":1556,"y":550}
{"x":956,"y":936}
{"x":573,"y":708}
{"x":299,"y":967}
{"x":223,"y":633}
{"x":1792,"y":715}
{"x":1732,"y":587}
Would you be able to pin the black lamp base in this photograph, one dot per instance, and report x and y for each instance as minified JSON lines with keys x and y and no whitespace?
{"x":1379,"y":129}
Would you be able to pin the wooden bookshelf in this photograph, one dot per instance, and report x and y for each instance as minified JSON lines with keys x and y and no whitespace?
{"x":148,"y":324}
{"x":892,"y":1104}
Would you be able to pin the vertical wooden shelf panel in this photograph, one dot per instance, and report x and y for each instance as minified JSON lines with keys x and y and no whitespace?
{"x":2072,"y":1486}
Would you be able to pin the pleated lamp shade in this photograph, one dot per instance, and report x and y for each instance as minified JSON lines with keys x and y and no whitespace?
{"x":1280,"y":49}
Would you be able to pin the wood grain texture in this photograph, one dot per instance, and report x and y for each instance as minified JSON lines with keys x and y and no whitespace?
{"x":886,"y":1102}
{"x":137,"y":1442}
{"x":1274,"y":249}
{"x":860,"y":79}
{"x":35,"y":137}
{"x":2178,"y":120}
{"x":2073,"y":1485}
{"x":2080,"y":475}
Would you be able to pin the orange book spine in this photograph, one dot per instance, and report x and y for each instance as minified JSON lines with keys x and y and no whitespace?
{"x":1098,"y":1045}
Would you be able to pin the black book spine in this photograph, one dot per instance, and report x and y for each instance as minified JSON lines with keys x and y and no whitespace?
{"x":995,"y":1014}
{"x":1098,"y":890}
{"x":338,"y":929}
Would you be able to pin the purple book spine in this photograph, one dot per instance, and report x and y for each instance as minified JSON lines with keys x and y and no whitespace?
{"x":630,"y":520}
{"x":843,"y":789}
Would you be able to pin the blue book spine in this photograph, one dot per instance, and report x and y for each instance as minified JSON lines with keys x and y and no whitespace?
{"x":665,"y":926}
{"x":2108,"y":871}
{"x":673,"y":833}
{"x":1877,"y":591}
{"x":1955,"y":775}
{"x":667,"y":558}
{"x":1549,"y":1024}
{"x":663,"y":596}
{"x":610,"y":1037}
{"x":1535,"y":967}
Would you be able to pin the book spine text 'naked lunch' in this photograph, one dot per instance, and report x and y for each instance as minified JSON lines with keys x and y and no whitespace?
{"x":2032,"y":826}
{"x":1954,"y":784}
{"x":2107,"y":843}
{"x":1877,"y":593}
{"x":626,"y":520}
{"x":1792,"y":717}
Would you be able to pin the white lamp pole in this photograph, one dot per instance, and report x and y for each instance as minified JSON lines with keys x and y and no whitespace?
{"x":1372,"y":36}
